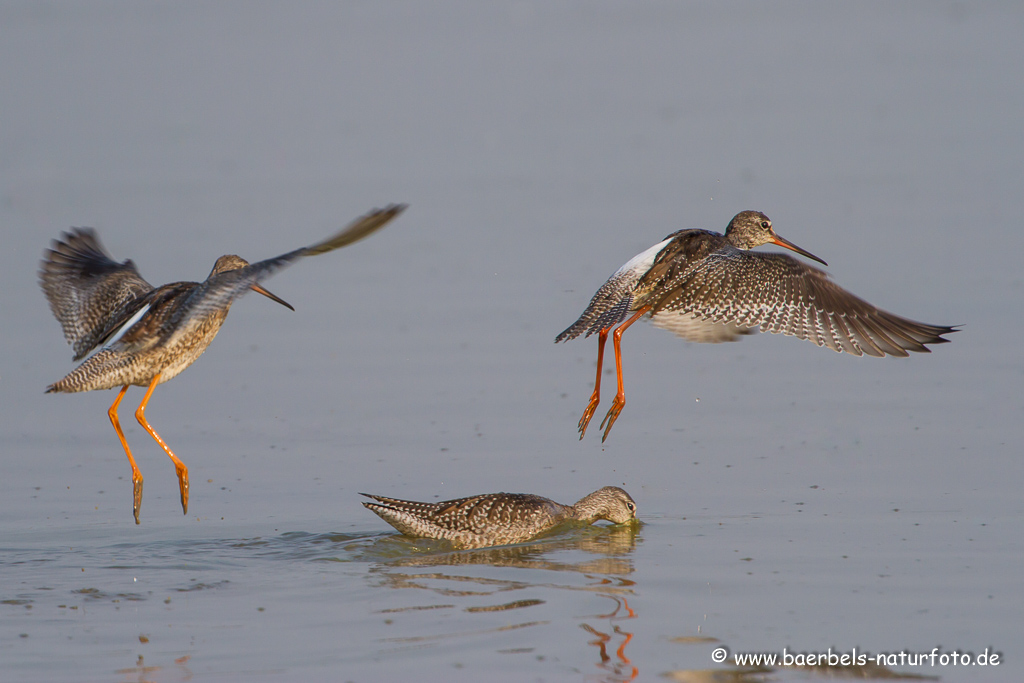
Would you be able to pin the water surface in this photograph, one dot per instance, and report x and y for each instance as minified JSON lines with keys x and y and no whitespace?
{"x":792,"y":497}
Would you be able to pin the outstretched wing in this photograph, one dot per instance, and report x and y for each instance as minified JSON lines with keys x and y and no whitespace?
{"x":785,"y":296}
{"x":358,"y":229}
{"x":89,"y":293}
{"x":221,"y":289}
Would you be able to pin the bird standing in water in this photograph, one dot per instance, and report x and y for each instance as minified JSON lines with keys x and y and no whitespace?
{"x":707,"y":287}
{"x":146,"y":335}
{"x":499,"y":518}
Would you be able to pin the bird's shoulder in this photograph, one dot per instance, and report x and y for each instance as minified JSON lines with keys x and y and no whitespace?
{"x":683,"y":250}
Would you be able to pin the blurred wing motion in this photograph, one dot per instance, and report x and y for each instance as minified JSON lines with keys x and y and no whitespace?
{"x":221,"y":289}
{"x":148,"y":335}
{"x":90,"y":294}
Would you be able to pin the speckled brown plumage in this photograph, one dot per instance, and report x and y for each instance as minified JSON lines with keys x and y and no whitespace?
{"x":143,"y":335}
{"x":499,"y":518}
{"x":707,"y":287}
{"x":87,"y":290}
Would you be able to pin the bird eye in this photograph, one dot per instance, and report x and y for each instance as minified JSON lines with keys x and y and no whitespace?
{"x":766,"y":225}
{"x":631,"y":507}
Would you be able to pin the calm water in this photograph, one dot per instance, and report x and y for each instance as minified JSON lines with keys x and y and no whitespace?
{"x":792,"y":497}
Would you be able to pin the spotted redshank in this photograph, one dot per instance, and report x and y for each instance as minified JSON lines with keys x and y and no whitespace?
{"x":145,"y":335}
{"x":707,"y":287}
{"x":499,"y":518}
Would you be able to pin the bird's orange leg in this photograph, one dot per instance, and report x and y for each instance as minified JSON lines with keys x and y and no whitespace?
{"x":595,"y":398}
{"x":136,"y":474}
{"x":620,"y":395}
{"x":621,"y":654}
{"x":179,"y":466}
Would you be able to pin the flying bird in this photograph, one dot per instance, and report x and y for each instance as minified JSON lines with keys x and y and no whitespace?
{"x":708,"y":287}
{"x":143,"y":335}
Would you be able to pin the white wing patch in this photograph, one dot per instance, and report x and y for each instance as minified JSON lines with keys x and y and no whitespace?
{"x":119,"y":332}
{"x":642,"y":262}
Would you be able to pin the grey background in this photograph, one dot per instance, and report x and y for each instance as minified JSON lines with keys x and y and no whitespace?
{"x":807,"y":499}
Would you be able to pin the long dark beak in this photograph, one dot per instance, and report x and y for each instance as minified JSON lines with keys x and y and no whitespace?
{"x":273,"y":297}
{"x":792,"y":247}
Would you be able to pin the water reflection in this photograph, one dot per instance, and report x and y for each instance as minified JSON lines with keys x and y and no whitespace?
{"x":621,"y":668}
{"x":764,"y":674}
{"x":748,"y":675}
{"x":516,"y":601}
{"x":141,"y":673}
{"x":456,"y":577}
{"x":612,"y":545}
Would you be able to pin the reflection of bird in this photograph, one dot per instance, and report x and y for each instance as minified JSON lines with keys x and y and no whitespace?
{"x":499,"y":518}
{"x":708,"y":287}
{"x":148,"y":335}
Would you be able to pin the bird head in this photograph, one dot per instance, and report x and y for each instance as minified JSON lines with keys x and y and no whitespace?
{"x":611,"y":503}
{"x":232,"y":262}
{"x":749,"y":229}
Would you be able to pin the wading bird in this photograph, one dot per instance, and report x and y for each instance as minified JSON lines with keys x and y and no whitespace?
{"x":708,"y":287}
{"x":146,"y":335}
{"x":499,"y":518}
